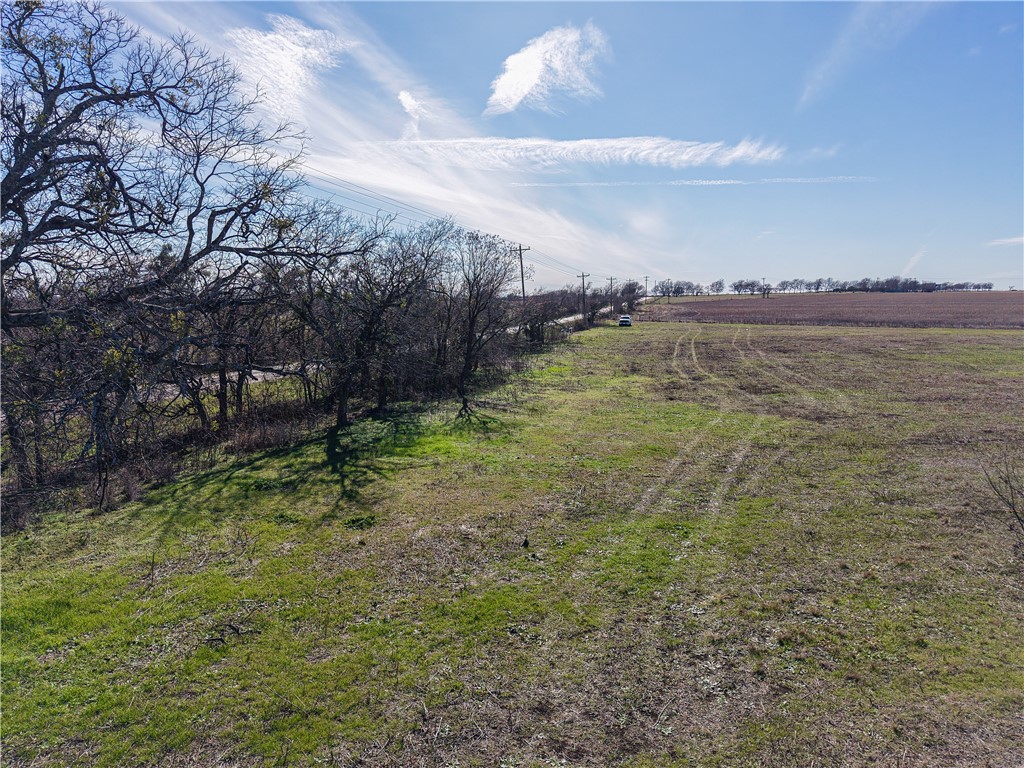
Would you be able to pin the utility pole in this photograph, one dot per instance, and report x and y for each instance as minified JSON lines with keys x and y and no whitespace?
{"x":611,"y":282}
{"x":646,"y":278}
{"x":583,"y":277}
{"x":522,"y":275}
{"x":522,"y":279}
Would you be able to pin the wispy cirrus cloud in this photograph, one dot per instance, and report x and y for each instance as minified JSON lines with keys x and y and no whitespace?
{"x":872,"y":27}
{"x":345,"y":86}
{"x":284,"y":61}
{"x":495,"y":153}
{"x":914,"y":261}
{"x":700,"y":182}
{"x":561,"y":62}
{"x":1008,"y":241}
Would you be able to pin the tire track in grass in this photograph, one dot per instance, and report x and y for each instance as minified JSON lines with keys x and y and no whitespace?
{"x":784,"y":375}
{"x":767,"y":369}
{"x":710,"y":463}
{"x":682,"y":468}
{"x":676,"y":471}
{"x":790,"y":375}
{"x":743,"y":449}
{"x":718,"y":459}
{"x":728,"y":480}
{"x":839,"y":406}
{"x":730,"y":399}
{"x":691,"y":341}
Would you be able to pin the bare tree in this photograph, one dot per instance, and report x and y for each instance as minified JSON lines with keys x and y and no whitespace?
{"x":138,"y":191}
{"x":401,"y":303}
{"x":1005,"y":480}
{"x":481,"y":269}
{"x":317,"y":282}
{"x":105,"y":138}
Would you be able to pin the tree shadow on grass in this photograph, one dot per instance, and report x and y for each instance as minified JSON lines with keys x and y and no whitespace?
{"x":357,"y":454}
{"x":475,"y":422}
{"x":354,"y":457}
{"x":353,"y":460}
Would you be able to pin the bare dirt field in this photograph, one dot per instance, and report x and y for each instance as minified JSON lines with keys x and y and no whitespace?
{"x":960,"y":309}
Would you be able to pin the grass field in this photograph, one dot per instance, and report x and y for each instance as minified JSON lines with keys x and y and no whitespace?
{"x":674,"y":544}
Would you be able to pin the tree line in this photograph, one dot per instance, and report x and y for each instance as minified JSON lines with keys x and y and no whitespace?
{"x":633,"y":289}
{"x":161,"y":257}
{"x":687,"y":288}
{"x":871,"y":285}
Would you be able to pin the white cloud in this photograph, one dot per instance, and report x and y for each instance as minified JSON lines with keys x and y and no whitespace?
{"x":873,"y":26}
{"x":495,"y":153}
{"x":415,"y":110}
{"x":284,"y":62}
{"x":646,"y":222}
{"x":561,"y":61}
{"x":920,"y":254}
{"x":699,"y":182}
{"x":351,"y":126}
{"x":1009,"y":241}
{"x":816,"y":180}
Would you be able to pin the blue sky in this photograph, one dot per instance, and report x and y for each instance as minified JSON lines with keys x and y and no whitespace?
{"x":690,"y":141}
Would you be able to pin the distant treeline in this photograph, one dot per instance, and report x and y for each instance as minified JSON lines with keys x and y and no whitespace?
{"x":799,"y":285}
{"x":867,"y":284}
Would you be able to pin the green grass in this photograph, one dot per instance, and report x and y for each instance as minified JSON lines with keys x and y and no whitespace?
{"x":769,"y":551}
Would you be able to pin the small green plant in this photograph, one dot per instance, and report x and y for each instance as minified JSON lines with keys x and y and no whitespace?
{"x":273,"y":484}
{"x":360,"y":522}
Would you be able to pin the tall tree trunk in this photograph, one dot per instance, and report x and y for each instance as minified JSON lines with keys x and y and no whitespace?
{"x":383,"y":387}
{"x":105,"y":443}
{"x":16,"y":444}
{"x":239,"y":394}
{"x":463,"y":388}
{"x":341,"y":394}
{"x":39,"y":470}
{"x":222,"y":391}
{"x":195,"y":394}
{"x":468,"y":367}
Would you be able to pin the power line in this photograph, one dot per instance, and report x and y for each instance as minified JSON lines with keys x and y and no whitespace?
{"x":553,"y":266}
{"x":373,"y":210}
{"x":412,"y":214}
{"x":338,"y":181}
{"x":560,"y":266}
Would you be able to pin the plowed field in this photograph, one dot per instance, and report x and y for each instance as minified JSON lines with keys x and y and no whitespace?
{"x":959,"y":309}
